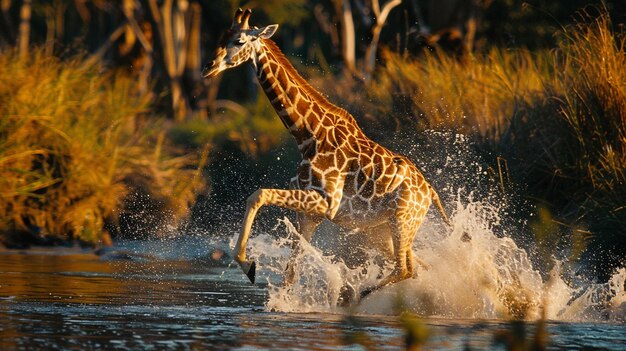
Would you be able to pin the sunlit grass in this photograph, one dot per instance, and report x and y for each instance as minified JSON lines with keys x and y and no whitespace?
{"x":593,"y":88}
{"x":479,"y":94}
{"x":72,"y":143}
{"x":581,"y":86}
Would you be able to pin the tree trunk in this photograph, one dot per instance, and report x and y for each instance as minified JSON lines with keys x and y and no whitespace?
{"x":348,"y":46}
{"x":372,"y":48}
{"x":172,"y":24}
{"x":24,"y":32}
{"x":194,"y":62}
{"x":143,"y":35}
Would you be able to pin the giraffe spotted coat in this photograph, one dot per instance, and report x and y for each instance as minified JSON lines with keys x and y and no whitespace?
{"x":344,"y":176}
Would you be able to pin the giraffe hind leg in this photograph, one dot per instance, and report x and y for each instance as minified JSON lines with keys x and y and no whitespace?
{"x":380,"y":238}
{"x":400,"y":270}
{"x":405,"y":224}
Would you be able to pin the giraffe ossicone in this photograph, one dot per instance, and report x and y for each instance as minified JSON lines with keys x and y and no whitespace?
{"x":344,"y":176}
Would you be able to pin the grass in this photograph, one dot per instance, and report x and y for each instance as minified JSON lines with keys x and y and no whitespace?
{"x":74,"y":146}
{"x":557,"y":117}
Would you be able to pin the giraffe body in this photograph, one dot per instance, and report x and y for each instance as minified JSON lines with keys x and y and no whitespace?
{"x":344,"y":176}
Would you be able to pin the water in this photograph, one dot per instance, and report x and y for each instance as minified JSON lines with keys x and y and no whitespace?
{"x":488,"y":278}
{"x":176,"y":297}
{"x":177,"y":293}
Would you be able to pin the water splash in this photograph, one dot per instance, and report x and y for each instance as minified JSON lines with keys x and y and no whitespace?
{"x":490,"y":277}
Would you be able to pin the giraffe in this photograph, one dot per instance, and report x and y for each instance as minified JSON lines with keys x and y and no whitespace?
{"x":344,"y":176}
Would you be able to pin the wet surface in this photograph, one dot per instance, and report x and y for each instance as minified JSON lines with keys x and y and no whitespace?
{"x":70,"y":299}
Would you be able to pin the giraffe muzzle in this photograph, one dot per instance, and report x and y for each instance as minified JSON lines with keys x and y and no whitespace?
{"x":209,"y":70}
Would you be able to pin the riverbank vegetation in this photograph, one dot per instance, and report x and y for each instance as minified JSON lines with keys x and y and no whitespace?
{"x":81,"y":155}
{"x":106,"y":125}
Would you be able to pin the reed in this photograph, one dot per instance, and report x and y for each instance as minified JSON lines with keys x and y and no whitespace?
{"x":73,"y":143}
{"x":570,"y":140}
{"x":592,"y":86}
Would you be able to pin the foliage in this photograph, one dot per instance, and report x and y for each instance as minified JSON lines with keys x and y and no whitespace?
{"x":416,"y":332}
{"x":532,"y":23}
{"x":285,"y":12}
{"x":254,"y":127}
{"x":250,"y":149}
{"x":517,"y":336}
{"x":73,"y":146}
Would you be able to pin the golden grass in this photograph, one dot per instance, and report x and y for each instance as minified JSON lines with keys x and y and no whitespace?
{"x":71,"y":140}
{"x":579,"y":87}
{"x":479,"y":94}
{"x":592,"y":86}
{"x":582,"y":83}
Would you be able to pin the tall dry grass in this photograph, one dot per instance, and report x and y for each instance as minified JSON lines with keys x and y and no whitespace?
{"x":73,"y":147}
{"x":478,"y":95}
{"x":592,"y":88}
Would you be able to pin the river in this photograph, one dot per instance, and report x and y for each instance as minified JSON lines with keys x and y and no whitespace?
{"x":139,"y":297}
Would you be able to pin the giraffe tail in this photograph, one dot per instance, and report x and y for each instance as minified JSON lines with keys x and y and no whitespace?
{"x":466,"y":237}
{"x":437,"y":202}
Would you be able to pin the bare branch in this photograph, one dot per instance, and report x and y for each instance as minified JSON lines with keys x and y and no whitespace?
{"x":147,"y":46}
{"x":376,"y":8}
{"x":381,"y":19}
{"x":97,"y":56}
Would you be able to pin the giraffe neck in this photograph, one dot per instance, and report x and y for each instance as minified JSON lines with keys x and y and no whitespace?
{"x":302,"y":109}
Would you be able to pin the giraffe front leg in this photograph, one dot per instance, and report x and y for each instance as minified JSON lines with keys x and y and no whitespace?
{"x":306,"y":227}
{"x":307,"y":201}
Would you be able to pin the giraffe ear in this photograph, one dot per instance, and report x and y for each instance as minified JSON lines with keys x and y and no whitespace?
{"x":267,"y":32}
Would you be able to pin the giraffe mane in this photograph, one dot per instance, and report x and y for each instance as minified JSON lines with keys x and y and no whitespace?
{"x":306,"y":87}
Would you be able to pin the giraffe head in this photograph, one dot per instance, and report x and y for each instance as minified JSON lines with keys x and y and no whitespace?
{"x":238,"y":45}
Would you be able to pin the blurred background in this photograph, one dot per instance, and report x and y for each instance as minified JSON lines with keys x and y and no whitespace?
{"x":107,"y":129}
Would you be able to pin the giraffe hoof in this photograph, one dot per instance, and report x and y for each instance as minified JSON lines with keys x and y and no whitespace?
{"x":250,"y":270}
{"x":466,"y":237}
{"x":366,"y":292}
{"x":346,"y":296}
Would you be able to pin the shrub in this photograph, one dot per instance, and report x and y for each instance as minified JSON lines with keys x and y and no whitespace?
{"x":73,"y":147}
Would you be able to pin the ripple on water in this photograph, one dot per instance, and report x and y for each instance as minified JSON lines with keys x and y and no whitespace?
{"x":80,"y":302}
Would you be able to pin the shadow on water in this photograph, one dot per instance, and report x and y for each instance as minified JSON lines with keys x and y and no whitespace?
{"x":143,"y":299}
